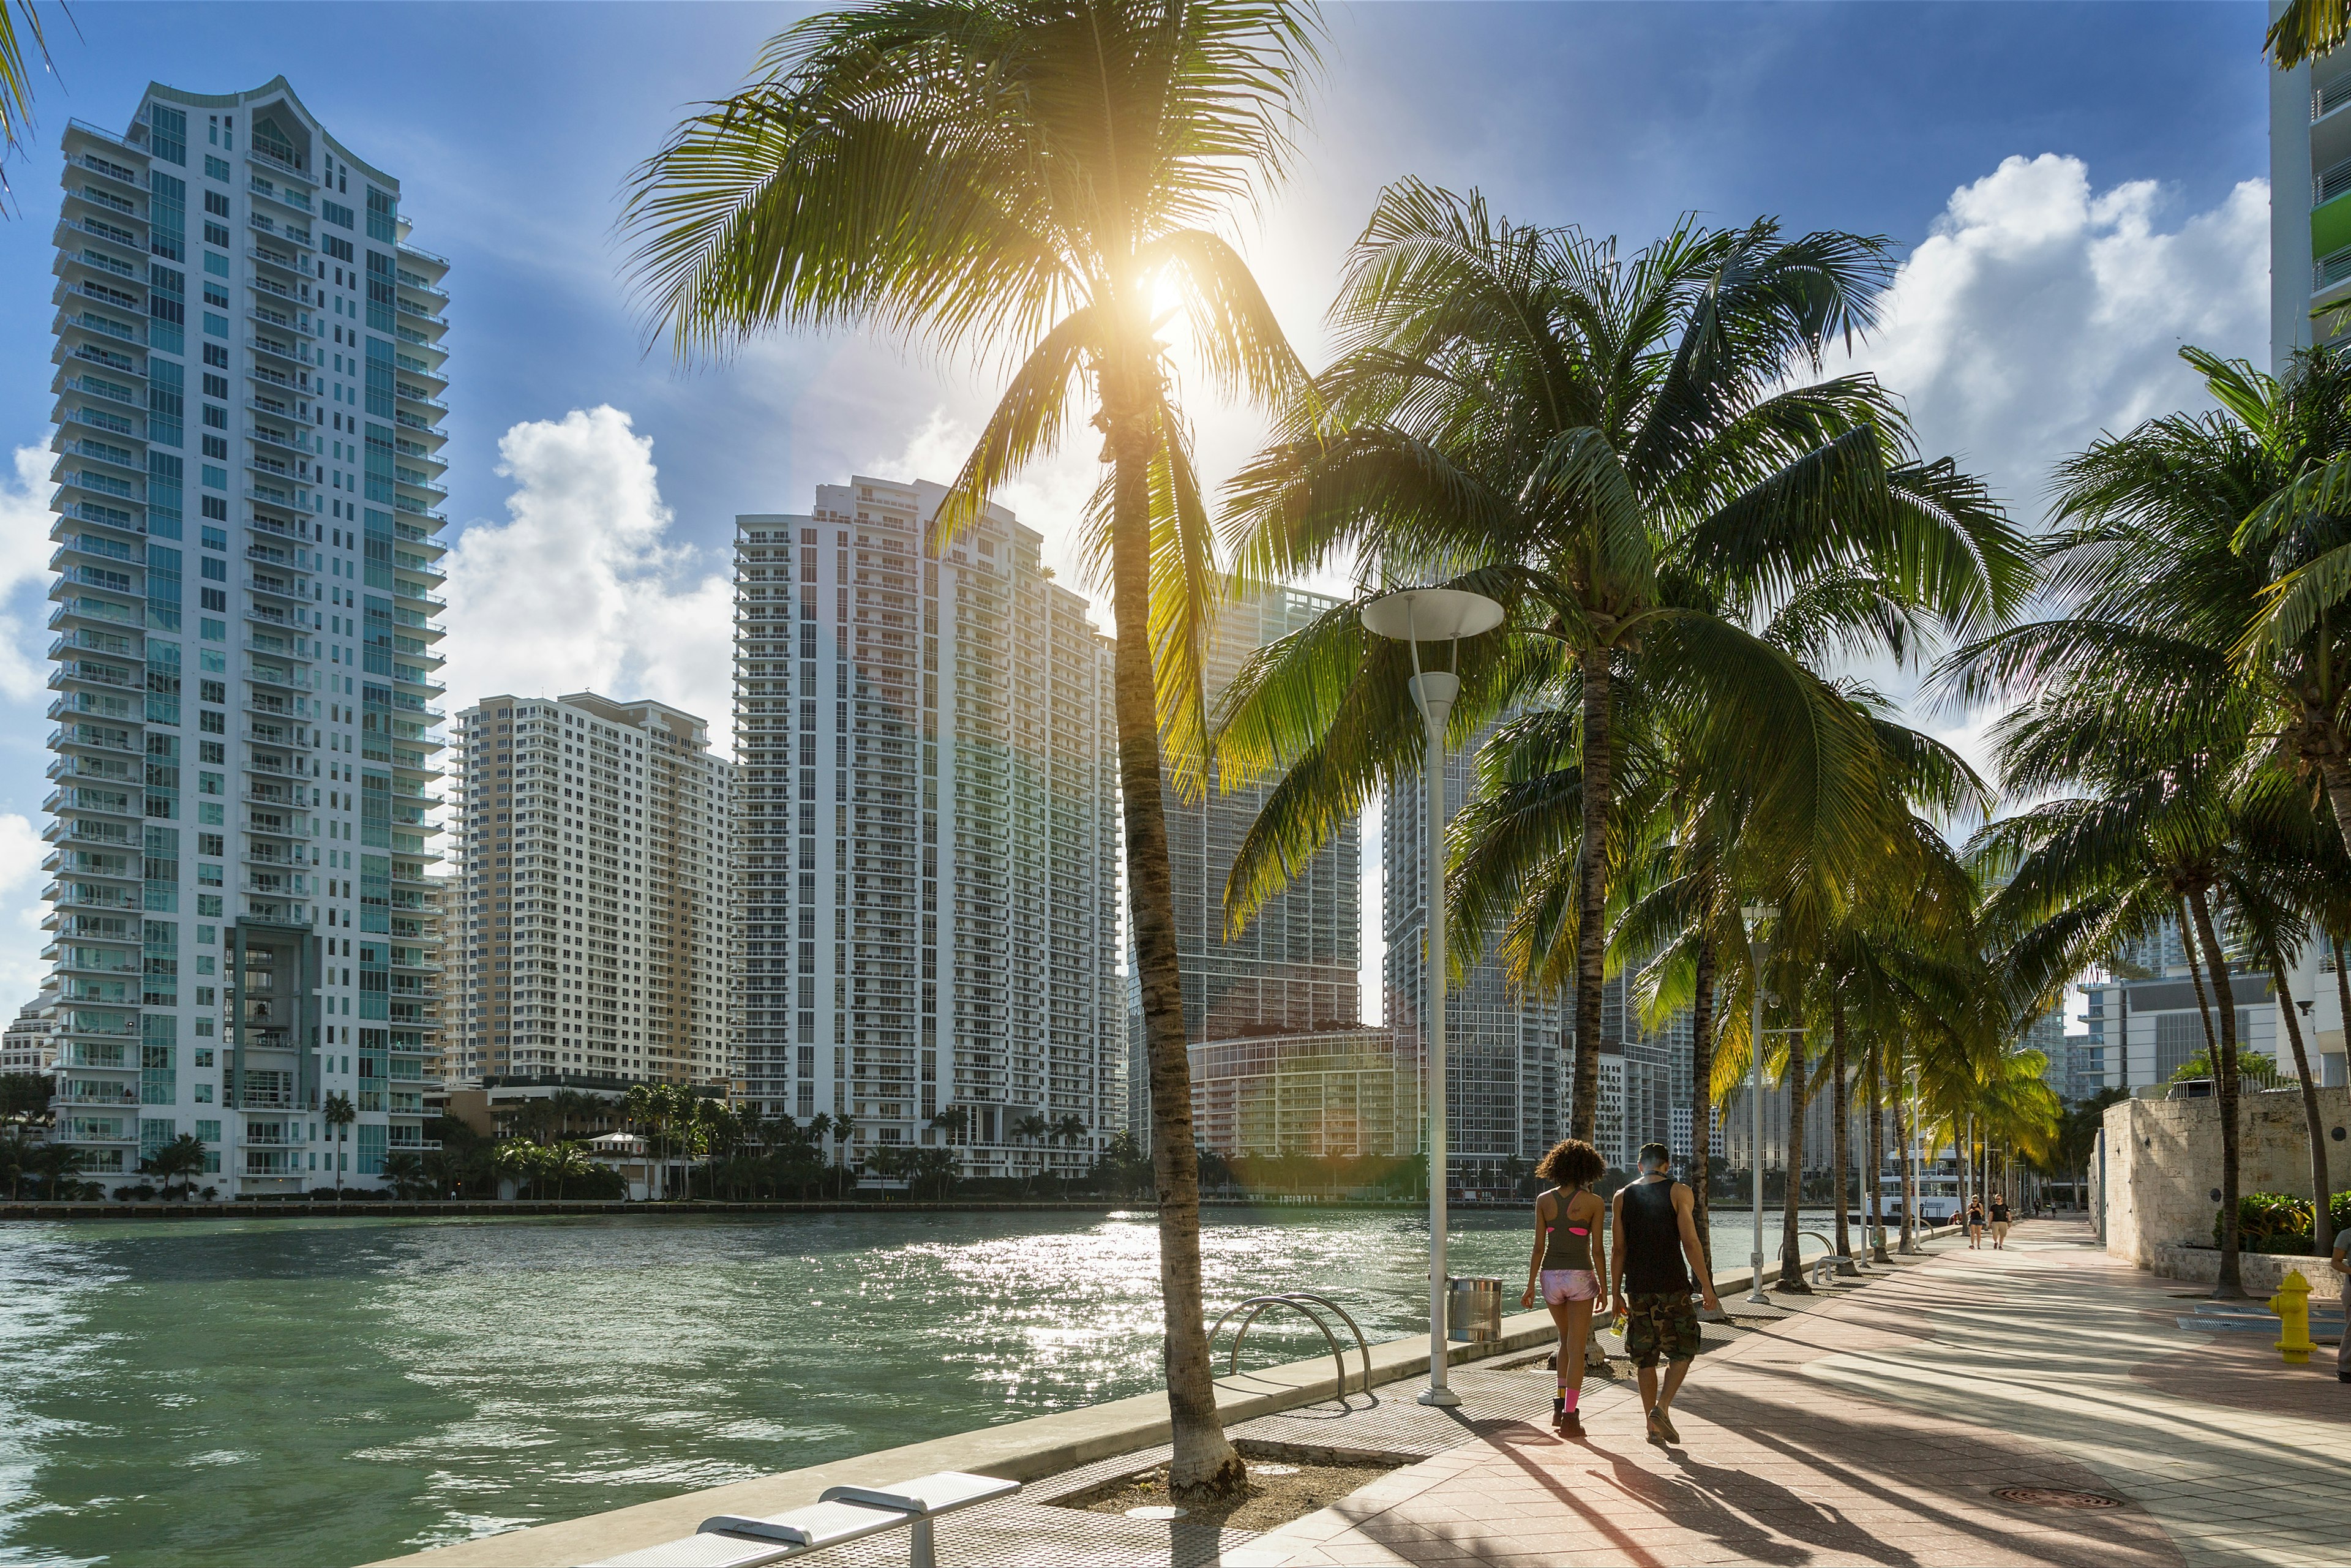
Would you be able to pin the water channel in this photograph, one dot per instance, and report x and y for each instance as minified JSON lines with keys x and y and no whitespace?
{"x":330,"y":1392}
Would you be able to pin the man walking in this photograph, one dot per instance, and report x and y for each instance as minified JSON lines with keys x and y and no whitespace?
{"x":1651,"y":1266}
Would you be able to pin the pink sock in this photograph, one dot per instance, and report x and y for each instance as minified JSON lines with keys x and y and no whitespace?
{"x":1572,"y":1395}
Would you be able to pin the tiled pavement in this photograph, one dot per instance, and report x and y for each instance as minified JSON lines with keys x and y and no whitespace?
{"x":1870,"y":1425}
{"x":1876,"y":1426}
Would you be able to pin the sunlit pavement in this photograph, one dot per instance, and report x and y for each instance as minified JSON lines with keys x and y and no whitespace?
{"x":1878,"y":1425}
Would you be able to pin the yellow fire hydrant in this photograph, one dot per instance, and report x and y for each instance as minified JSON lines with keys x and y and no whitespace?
{"x":2292,"y":1305}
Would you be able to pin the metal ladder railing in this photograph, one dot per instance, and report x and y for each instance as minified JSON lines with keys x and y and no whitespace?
{"x":1303,"y":1302}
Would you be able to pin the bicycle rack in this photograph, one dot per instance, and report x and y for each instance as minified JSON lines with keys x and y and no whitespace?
{"x":1302,"y":1301}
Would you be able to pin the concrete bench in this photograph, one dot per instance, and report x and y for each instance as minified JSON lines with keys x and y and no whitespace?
{"x":839,"y":1514}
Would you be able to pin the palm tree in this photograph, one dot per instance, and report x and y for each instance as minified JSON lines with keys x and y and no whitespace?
{"x":1038,"y":176}
{"x":407,"y":1174}
{"x":339,"y":1114}
{"x":843,"y":1131}
{"x":2305,"y":30}
{"x":1608,"y":448}
{"x":54,"y":1166}
{"x":182,"y":1158}
{"x":519,"y":1161}
{"x":2192,"y":652}
{"x":565,"y":1162}
{"x":16,"y":75}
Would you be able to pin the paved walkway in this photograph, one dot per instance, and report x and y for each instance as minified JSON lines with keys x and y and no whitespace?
{"x":1877,"y":1425}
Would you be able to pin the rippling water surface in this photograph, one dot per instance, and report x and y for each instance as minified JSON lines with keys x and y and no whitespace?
{"x":329,"y":1392}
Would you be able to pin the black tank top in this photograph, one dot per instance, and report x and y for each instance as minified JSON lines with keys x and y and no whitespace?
{"x":1653,"y":1241}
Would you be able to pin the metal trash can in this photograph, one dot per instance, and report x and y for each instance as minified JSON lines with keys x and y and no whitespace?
{"x":1474,"y":1310}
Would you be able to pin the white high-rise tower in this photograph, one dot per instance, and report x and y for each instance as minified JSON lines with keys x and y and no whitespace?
{"x":929,"y":833}
{"x":248,"y":391}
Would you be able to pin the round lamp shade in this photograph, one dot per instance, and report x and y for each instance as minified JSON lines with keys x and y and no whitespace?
{"x":1431,"y":614}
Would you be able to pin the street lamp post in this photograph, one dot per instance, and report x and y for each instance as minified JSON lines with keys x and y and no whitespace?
{"x":1413,"y":616}
{"x":1756,"y":914}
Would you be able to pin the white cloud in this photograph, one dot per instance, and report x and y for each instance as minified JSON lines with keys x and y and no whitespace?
{"x":582,"y":588}
{"x":2040,"y":312}
{"x":21,"y":852}
{"x":24,"y":550}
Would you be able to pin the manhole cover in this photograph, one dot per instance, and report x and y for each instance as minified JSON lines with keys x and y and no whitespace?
{"x":1157,"y":1511}
{"x":2050,"y":1497}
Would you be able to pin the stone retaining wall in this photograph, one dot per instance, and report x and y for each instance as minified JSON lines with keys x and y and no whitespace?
{"x":2261,"y":1272}
{"x":2158,"y":1187}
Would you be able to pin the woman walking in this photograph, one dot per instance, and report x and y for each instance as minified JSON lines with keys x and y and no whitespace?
{"x":1975,"y":1224}
{"x":1568,"y":1264}
{"x":1999,"y":1219}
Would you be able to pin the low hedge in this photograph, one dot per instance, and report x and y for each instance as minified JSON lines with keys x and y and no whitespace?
{"x":2280,"y":1221}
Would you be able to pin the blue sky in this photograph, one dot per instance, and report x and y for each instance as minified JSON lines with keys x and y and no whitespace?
{"x":2045,"y":304}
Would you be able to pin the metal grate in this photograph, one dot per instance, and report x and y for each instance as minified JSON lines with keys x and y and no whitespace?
{"x":2051,"y":1497}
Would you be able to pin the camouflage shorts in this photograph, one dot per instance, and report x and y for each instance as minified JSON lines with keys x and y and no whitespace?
{"x":1660,"y":1327}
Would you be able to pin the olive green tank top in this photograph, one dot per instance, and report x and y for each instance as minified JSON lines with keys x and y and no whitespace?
{"x":1566,"y":1247}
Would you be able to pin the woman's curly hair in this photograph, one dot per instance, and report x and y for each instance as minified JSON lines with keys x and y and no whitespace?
{"x":1571,"y":1163}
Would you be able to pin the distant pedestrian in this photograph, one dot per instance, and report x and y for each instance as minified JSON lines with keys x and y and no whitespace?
{"x":1568,"y":1265}
{"x":2341,"y":1264}
{"x":1999,"y":1220}
{"x":1655,"y":1256}
{"x":1975,"y":1223}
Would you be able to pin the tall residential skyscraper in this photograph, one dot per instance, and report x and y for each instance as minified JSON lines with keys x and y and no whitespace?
{"x":1506,"y":1081}
{"x":595,"y":896}
{"x":245,"y":753}
{"x":929,"y":831}
{"x":1297,"y":968}
{"x":2310,"y":202}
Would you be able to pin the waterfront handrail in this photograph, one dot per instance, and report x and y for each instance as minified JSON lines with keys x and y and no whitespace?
{"x":1301,"y":1301}
{"x":841,"y":1514}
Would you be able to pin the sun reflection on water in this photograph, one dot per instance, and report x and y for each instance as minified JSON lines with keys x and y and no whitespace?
{"x":330,"y":1392}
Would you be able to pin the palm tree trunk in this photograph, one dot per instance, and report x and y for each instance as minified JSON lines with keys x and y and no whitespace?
{"x":1909,"y":1188}
{"x":1203,"y":1464}
{"x":2322,"y":1217}
{"x":1840,"y":1136}
{"x":1876,"y":1154}
{"x":1791,"y":1250}
{"x":2336,"y":775}
{"x":2203,"y":1004}
{"x":1591,"y":904}
{"x":2230,"y":1286}
{"x":1702,"y":1099}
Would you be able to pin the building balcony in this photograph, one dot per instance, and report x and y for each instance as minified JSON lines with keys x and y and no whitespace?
{"x":277,"y":165}
{"x":110,"y":201}
{"x":276,"y":258}
{"x":130,"y":397}
{"x":84,"y":802}
{"x":264,"y":223}
{"x":102,"y":515}
{"x":278,"y":588}
{"x":98,"y":292}
{"x":75,"y":320}
{"x":287,"y":353}
{"x":89,"y":351}
{"x":270,"y":190}
{"x":75,"y":228}
{"x":277,"y":648}
{"x":284,"y":500}
{"x":112,"y":455}
{"x":296,"y":322}
{"x":272,"y":616}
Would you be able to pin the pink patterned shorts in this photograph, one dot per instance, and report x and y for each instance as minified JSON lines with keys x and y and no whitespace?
{"x":1561,"y":1285}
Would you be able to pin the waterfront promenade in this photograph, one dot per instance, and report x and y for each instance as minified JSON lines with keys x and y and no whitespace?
{"x":1878,"y":1425}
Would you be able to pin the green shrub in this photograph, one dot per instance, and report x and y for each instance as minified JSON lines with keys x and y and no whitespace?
{"x":2279,"y":1221}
